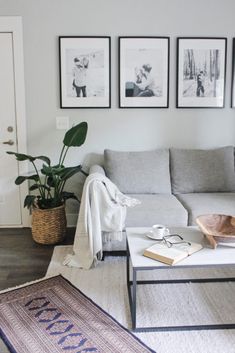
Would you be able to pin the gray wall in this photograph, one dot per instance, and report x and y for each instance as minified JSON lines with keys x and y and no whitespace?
{"x":121,"y":129}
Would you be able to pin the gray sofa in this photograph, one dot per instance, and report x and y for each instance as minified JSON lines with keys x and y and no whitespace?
{"x":174,"y":185}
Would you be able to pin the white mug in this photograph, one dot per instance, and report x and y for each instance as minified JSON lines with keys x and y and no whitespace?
{"x":159,"y":231}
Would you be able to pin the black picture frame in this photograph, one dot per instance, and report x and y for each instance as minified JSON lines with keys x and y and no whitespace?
{"x":144,"y":72}
{"x":233,"y":76}
{"x":85,"y":71}
{"x":201,"y":72}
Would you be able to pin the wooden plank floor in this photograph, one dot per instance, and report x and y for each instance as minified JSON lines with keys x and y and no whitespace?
{"x":21,"y":259}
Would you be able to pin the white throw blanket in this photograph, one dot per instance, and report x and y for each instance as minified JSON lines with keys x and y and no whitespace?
{"x":103,"y":208}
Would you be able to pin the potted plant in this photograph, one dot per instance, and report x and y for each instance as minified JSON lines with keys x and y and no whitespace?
{"x":48,"y":204}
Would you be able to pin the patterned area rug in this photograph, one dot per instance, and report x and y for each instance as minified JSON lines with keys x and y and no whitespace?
{"x":54,"y":316}
{"x":176,"y":304}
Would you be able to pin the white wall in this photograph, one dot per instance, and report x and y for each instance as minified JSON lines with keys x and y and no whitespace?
{"x":120,"y":129}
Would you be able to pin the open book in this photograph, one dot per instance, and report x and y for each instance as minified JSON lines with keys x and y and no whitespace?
{"x":172,"y":255}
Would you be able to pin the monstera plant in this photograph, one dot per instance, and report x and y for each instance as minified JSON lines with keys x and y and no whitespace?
{"x":47,"y":185}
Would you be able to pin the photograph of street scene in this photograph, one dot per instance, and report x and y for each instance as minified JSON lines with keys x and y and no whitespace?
{"x":202,"y":74}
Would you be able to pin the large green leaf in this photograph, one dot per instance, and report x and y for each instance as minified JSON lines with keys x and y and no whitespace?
{"x":69,"y":172}
{"x":69,"y":195}
{"x":44,"y":158}
{"x":22,"y":157}
{"x":76,"y":136}
{"x":49,"y":170}
{"x":46,"y":170}
{"x":51,"y":182}
{"x":29,"y":201}
{"x":37,"y":186}
{"x":20,"y":179}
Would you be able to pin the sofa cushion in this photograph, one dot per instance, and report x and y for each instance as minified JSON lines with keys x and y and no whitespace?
{"x":202,"y":170}
{"x":156,"y":209}
{"x":144,"y":172}
{"x":207,"y":203}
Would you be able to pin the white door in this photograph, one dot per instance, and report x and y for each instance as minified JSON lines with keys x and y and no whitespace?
{"x":11,"y":211}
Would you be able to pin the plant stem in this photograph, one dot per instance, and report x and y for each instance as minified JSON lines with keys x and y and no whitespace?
{"x":62,"y":162}
{"x":61,"y":154}
{"x":41,"y":189}
{"x":62,"y":186}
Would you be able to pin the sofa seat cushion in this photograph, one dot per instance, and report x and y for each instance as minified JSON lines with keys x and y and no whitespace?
{"x":202,"y":170}
{"x":146,"y":172}
{"x":156,"y":209}
{"x":206,"y":203}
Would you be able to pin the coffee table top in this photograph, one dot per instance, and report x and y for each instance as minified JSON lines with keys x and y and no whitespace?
{"x":138,"y":242}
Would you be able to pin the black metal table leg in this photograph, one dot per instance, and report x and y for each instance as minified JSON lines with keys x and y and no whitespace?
{"x":134,"y":287}
{"x":131,"y":291}
{"x":128,"y":267}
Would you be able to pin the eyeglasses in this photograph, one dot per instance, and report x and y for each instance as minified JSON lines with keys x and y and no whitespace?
{"x":169,"y":244}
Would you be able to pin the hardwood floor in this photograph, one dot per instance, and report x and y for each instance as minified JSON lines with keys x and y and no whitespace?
{"x":21,"y":259}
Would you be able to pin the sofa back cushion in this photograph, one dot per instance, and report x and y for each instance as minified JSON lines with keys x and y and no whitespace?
{"x":144,"y":172}
{"x":202,"y":170}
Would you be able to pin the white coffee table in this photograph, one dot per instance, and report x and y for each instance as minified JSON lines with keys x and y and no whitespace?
{"x":137,"y":241}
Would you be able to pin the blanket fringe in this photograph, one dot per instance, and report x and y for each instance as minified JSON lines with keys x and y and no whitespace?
{"x":109,"y":236}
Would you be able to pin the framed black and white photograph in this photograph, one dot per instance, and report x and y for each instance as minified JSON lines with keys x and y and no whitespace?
{"x":144,"y":72}
{"x":201,"y":72}
{"x":233,"y":76}
{"x":85,"y":72}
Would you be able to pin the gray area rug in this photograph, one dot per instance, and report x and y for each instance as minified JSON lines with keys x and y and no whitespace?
{"x":174,"y":304}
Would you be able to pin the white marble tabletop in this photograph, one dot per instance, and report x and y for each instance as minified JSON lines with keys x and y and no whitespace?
{"x":138,"y":242}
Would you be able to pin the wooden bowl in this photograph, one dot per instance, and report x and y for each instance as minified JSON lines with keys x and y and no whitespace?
{"x":217,"y":228}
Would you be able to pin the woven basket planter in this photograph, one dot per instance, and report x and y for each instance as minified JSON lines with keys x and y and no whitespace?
{"x":49,"y":225}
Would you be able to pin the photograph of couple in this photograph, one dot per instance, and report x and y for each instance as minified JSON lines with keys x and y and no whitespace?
{"x":144,"y":74}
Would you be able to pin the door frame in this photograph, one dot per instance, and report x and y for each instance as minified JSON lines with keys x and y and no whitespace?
{"x":13,"y":24}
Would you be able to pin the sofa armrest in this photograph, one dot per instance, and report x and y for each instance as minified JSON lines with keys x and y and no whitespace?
{"x":96,"y":169}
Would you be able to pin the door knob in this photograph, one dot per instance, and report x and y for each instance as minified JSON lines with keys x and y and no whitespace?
{"x":10,"y":128}
{"x":9,"y":142}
